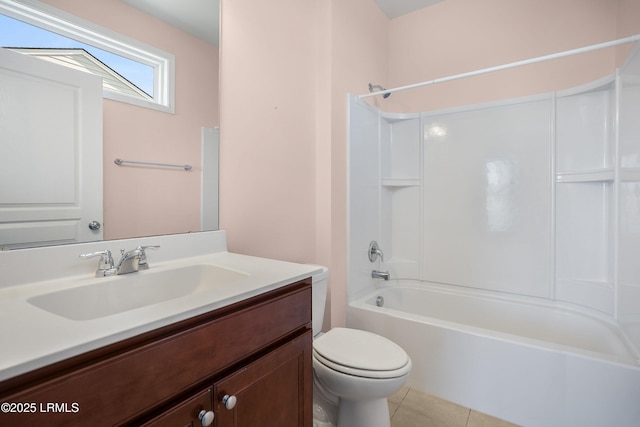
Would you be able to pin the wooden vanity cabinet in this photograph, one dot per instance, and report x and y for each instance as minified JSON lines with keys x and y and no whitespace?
{"x":257,"y":350}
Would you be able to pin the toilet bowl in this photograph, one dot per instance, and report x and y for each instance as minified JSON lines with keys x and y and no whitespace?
{"x":354,"y":371}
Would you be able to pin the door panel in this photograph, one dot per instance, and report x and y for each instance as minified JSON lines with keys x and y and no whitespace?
{"x":50,"y":153}
{"x":274,"y":391}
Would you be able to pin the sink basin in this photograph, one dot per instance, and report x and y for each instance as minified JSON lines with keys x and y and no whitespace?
{"x":118,"y":294}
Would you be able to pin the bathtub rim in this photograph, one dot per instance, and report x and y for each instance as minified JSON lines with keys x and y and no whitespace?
{"x":633,"y":359}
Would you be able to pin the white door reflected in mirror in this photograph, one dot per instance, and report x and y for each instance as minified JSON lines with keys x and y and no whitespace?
{"x":50,"y":119}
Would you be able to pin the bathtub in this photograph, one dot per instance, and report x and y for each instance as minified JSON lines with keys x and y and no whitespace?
{"x":527,"y":361}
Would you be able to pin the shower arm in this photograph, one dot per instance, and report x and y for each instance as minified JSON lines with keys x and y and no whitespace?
{"x":381,"y":90}
{"x":585,"y":49}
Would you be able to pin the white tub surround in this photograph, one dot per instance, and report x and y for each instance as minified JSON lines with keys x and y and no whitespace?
{"x":533,"y":200}
{"x":533,"y":364}
{"x":535,"y":196}
{"x":32,"y":338}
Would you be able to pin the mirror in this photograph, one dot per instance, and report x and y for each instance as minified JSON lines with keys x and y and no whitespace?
{"x":145,"y":200}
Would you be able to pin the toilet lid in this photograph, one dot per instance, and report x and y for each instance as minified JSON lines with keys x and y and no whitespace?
{"x":361,"y":350}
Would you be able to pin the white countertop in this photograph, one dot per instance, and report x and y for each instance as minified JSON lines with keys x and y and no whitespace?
{"x":32,"y":338}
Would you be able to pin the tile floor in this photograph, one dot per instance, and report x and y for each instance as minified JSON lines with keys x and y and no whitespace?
{"x":412,"y":408}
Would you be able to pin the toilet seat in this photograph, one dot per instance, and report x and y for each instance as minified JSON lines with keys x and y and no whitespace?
{"x":361,"y":353}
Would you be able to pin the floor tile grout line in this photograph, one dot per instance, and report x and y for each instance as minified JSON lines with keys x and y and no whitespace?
{"x":399,"y":403}
{"x":405,"y":395}
{"x":468,"y":417}
{"x":409,"y":406}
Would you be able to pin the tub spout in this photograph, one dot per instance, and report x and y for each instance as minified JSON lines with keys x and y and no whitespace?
{"x":380,"y":275}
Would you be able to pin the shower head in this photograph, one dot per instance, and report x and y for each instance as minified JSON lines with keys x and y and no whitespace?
{"x":371,"y":87}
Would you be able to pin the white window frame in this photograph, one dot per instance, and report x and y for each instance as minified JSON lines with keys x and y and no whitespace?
{"x":49,"y":18}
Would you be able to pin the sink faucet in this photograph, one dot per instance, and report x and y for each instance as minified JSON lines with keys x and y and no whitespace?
{"x":133,"y":260}
{"x":380,"y":275}
{"x":129,"y":261}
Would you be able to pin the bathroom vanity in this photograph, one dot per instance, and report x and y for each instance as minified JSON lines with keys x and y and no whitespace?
{"x":237,"y":359}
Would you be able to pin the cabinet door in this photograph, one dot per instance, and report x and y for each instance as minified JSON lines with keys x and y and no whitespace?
{"x":274,"y":391}
{"x":185,"y":414}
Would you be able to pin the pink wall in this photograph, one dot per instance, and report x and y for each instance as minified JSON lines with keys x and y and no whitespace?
{"x":142,"y":202}
{"x":268,"y":127}
{"x":286,"y":69}
{"x":457,"y":36}
{"x":359,"y":56}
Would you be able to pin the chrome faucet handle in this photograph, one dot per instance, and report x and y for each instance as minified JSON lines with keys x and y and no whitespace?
{"x":375,"y":252}
{"x":144,"y":248}
{"x":143,"y":264}
{"x":105,"y":264}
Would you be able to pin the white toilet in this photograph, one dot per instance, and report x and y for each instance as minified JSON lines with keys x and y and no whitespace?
{"x":354,"y":371}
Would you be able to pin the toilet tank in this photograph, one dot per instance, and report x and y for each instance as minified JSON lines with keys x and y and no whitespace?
{"x":319,"y":284}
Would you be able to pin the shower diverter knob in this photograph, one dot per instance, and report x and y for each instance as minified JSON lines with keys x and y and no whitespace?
{"x":375,"y":252}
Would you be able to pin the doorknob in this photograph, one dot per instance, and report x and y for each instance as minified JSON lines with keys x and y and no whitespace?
{"x":94,"y":225}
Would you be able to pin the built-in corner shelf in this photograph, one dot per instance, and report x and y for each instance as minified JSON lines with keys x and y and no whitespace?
{"x":393,"y":182}
{"x":595,"y":175}
{"x":598,"y":175}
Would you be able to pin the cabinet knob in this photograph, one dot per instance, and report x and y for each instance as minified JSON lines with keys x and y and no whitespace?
{"x":206,"y":417}
{"x":229,"y":402}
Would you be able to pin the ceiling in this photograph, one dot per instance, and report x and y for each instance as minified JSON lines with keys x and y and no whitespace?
{"x":395,"y":8}
{"x":200,"y":17}
{"x":196,"y":17}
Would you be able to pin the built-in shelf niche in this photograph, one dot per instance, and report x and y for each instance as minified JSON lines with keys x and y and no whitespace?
{"x":585,"y":194}
{"x":400,"y":193}
{"x":628,"y":233}
{"x":584,"y":126}
{"x":584,"y":243}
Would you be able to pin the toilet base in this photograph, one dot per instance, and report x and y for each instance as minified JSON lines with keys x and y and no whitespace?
{"x":363,"y":413}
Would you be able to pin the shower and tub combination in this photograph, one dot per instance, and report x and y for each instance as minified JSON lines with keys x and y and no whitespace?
{"x":510,"y":232}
